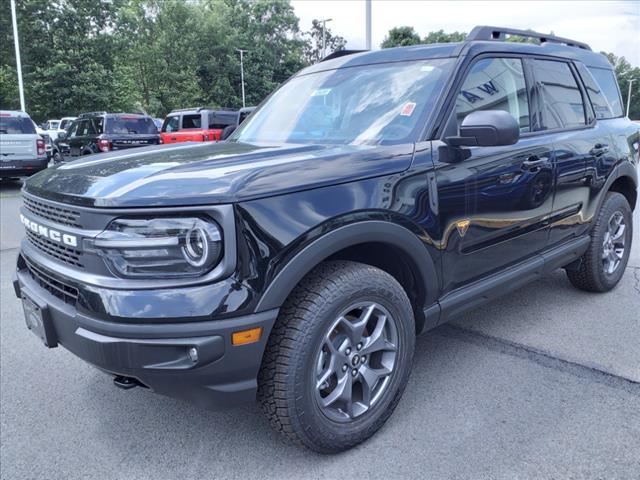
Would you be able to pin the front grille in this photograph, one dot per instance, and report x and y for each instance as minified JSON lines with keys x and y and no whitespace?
{"x":65,"y":254}
{"x":57,"y":288}
{"x":64,"y":216}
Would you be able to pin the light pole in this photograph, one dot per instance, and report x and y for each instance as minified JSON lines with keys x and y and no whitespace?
{"x":324,"y":28}
{"x":629,"y":95}
{"x":368,"y":23}
{"x":16,"y":43}
{"x":242,"y":73}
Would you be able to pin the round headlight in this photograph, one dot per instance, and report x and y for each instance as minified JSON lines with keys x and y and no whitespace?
{"x":196,"y":247}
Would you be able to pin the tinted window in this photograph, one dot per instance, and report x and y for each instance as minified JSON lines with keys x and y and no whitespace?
{"x":16,"y":125}
{"x":73,"y":129}
{"x":171,"y":124}
{"x":221,"y":120}
{"x":361,"y":105}
{"x":86,"y":127}
{"x":495,"y":84}
{"x":191,"y":121}
{"x":561,"y":97}
{"x":130,"y":124}
{"x":609,"y":86}
{"x":599,"y":102}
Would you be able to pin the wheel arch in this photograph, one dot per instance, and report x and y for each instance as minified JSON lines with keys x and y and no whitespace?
{"x":374,"y":242}
{"x":626,"y":186}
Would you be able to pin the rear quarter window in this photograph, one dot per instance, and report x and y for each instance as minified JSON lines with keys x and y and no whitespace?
{"x":16,"y":125}
{"x":608,"y":85}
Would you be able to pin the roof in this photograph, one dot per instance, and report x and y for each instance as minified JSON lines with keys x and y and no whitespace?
{"x":469,"y":47}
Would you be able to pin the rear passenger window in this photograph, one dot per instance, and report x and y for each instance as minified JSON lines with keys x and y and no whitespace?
{"x":191,"y":121}
{"x":562,"y":102}
{"x":609,"y":87}
{"x":495,"y":84}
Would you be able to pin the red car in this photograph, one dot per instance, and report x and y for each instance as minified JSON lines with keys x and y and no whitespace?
{"x":197,"y":124}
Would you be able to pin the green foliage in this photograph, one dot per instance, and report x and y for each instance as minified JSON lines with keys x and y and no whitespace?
{"x":151,"y":55}
{"x":625,"y":73}
{"x":313,"y":47}
{"x":404,"y":36}
{"x":401,"y":37}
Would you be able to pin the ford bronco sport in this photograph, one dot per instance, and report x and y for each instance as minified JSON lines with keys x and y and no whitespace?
{"x":197,"y":124}
{"x":372,"y":197}
{"x":23,"y":151}
{"x":95,"y":132}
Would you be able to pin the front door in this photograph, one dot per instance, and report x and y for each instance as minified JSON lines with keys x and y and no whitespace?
{"x":494,"y":202}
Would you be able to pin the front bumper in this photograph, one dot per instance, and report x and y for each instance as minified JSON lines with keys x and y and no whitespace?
{"x":157,"y":354}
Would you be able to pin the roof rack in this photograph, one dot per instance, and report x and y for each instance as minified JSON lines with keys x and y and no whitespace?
{"x":341,"y":53}
{"x":91,"y":114}
{"x":499,"y":34}
{"x":199,"y":109}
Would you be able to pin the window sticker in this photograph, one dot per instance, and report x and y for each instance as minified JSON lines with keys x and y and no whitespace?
{"x":321,"y":92}
{"x":407,"y":109}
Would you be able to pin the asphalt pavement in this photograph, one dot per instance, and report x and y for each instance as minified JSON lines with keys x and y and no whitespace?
{"x":544,"y":383}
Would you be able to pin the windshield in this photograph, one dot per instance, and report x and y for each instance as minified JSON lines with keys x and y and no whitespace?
{"x":16,"y":125}
{"x":130,"y":124}
{"x":54,"y":125}
{"x":370,"y":104}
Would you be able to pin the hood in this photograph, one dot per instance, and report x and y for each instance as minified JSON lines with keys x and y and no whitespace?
{"x":211,"y":173}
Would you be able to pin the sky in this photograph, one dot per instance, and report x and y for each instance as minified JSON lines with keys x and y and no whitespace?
{"x":611,"y":26}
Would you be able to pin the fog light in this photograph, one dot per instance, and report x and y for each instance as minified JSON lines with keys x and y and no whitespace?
{"x":246,"y":336}
{"x":193,"y":354}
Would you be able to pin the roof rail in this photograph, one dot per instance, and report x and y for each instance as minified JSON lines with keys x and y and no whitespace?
{"x":91,"y":114}
{"x":500,"y":33}
{"x":341,"y":53}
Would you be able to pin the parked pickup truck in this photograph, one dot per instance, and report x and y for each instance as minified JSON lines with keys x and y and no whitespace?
{"x":372,"y":197}
{"x":200,"y":124}
{"x":22,"y":150}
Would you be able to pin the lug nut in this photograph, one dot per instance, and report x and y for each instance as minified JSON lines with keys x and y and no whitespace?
{"x":347,"y":351}
{"x":363,"y":358}
{"x":344,"y":367}
{"x":354,"y":372}
{"x":359,"y":345}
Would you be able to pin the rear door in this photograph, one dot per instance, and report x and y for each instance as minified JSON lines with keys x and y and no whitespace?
{"x":494,"y":201}
{"x":583,"y":153}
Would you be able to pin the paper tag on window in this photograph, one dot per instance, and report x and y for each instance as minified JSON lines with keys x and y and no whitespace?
{"x":408,"y":109}
{"x":321,"y":92}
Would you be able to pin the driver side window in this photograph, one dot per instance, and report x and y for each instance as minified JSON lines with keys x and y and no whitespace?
{"x":495,"y":84}
{"x":73,"y":129}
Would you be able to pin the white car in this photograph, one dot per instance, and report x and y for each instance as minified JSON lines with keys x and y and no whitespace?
{"x":65,"y":122}
{"x":52,"y":125}
{"x":48,"y":136}
{"x":23,"y":151}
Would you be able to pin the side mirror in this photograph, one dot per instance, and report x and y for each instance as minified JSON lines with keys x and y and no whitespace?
{"x":487,"y":128}
{"x":62,"y":135}
{"x":228,"y":130}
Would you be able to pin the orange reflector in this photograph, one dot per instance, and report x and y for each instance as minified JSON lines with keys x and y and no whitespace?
{"x":246,"y":336}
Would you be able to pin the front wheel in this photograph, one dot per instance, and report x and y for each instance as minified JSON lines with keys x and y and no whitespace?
{"x":339,"y":356}
{"x":603,"y":264}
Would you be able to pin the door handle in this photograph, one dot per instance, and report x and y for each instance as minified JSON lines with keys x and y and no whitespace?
{"x":534,"y":161}
{"x":599,"y":149}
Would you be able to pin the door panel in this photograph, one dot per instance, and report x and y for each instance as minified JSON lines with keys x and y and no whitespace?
{"x":494,"y":208}
{"x":494,"y":201}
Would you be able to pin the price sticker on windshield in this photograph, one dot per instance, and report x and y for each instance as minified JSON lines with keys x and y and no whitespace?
{"x":408,"y":109}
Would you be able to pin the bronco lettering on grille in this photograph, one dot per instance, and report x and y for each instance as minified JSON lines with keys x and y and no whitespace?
{"x":51,"y":234}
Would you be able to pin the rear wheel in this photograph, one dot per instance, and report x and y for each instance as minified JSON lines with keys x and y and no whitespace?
{"x":57,"y":158}
{"x":339,"y":357}
{"x":603,"y":264}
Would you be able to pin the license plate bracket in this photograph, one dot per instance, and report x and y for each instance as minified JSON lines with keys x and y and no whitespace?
{"x":38,"y":320}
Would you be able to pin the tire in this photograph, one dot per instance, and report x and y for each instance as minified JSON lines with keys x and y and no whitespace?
{"x":297,"y":352}
{"x":57,"y":158}
{"x":595,"y":273}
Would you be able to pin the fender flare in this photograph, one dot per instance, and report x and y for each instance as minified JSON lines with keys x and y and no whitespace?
{"x":346,"y":236}
{"x":624,"y":169}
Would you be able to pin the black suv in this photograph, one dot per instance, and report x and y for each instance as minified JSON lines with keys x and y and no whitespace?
{"x":372,"y":197}
{"x":97,"y":132}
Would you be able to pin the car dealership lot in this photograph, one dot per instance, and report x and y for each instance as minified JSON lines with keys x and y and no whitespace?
{"x":543,"y":383}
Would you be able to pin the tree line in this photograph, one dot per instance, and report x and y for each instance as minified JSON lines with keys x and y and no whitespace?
{"x":151,"y":55}
{"x":158,"y":55}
